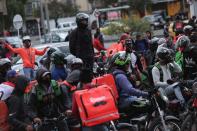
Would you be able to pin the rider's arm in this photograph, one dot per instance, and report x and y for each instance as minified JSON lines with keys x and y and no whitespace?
{"x":125,"y":85}
{"x":156,"y":78}
{"x":13,"y":107}
{"x":176,"y":68}
{"x":41,"y":52}
{"x":15,"y":50}
{"x":67,"y":101}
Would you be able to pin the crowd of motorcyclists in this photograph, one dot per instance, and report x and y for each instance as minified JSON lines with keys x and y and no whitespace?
{"x":136,"y":64}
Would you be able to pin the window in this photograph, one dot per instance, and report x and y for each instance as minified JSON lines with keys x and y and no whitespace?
{"x":66,"y":25}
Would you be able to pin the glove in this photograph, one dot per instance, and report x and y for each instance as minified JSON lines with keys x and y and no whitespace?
{"x":170,"y":81}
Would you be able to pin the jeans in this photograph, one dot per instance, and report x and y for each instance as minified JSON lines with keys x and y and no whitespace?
{"x":29,"y":73}
{"x":169,"y":90}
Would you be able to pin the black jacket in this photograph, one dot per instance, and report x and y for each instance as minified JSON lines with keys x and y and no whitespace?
{"x":48,"y":106}
{"x":18,"y":117}
{"x":80,"y":43}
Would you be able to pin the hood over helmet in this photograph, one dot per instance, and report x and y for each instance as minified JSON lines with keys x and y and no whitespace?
{"x":21,"y":83}
{"x":41,"y":73}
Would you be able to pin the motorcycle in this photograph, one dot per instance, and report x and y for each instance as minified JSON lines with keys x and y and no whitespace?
{"x":154,"y":119}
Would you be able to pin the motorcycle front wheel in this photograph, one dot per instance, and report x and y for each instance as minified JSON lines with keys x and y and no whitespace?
{"x":172,"y":125}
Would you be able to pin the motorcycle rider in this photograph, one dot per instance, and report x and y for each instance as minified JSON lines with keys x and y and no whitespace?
{"x":48,"y":100}
{"x":18,"y":117}
{"x":47,"y":61}
{"x":8,"y":86}
{"x":128,"y":94}
{"x":183,"y":54}
{"x":165,"y":73}
{"x":58,"y":71}
{"x":27,"y":54}
{"x":5,"y":65}
{"x":80,"y":41}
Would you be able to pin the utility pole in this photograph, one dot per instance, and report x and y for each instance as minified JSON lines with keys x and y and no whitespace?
{"x":47,"y":16}
{"x":42,"y":17}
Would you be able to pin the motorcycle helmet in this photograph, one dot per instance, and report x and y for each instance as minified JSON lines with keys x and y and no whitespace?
{"x":77,"y":63}
{"x":164,"y":53}
{"x":82,"y":20}
{"x":161,"y":41}
{"x":26,"y":41}
{"x":5,"y":65}
{"x":183,"y":41}
{"x":122,"y":59}
{"x":50,"y":51}
{"x":57,"y":58}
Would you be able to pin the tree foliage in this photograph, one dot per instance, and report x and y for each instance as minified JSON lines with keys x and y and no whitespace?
{"x":140,"y":5}
{"x":104,"y":3}
{"x":126,"y":25}
{"x":58,"y":9}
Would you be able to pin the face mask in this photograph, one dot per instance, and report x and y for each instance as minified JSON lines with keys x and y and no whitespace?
{"x":27,"y":45}
{"x":46,"y":80}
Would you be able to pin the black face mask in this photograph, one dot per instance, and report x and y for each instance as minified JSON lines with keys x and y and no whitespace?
{"x":46,"y":80}
{"x":26,"y":43}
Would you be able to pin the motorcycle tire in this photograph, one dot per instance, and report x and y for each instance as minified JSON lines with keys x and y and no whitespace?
{"x":156,"y":125}
{"x":187,"y":123}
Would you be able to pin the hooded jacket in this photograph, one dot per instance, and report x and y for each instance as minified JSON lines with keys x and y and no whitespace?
{"x":125,"y":88}
{"x":17,"y":115}
{"x":81,"y":44}
{"x":48,"y":106}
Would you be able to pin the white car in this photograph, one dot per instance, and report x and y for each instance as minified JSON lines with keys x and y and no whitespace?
{"x":63,"y":47}
{"x":70,"y":25}
{"x":14,"y":41}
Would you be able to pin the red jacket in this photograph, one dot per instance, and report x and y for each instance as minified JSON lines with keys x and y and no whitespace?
{"x":97,"y":45}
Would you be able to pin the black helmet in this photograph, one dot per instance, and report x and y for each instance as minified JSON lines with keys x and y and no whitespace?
{"x":50,"y":51}
{"x":5,"y":62}
{"x":164,"y":53}
{"x":5,"y":65}
{"x":82,"y":20}
{"x":57,"y":58}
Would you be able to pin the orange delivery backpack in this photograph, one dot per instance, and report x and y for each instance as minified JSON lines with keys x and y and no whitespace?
{"x":4,"y":126}
{"x":96,"y":105}
{"x":107,"y":79}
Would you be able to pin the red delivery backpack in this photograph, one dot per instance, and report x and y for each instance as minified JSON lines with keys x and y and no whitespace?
{"x":107,"y":79}
{"x":4,"y":126}
{"x":96,"y":105}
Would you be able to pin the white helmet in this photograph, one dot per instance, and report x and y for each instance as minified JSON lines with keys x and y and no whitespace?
{"x":162,"y":41}
{"x":77,"y":61}
{"x":26,"y":38}
{"x":70,"y":58}
{"x":187,"y":27}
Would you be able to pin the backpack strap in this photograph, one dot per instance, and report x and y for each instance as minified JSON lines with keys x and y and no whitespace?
{"x":160,"y":70}
{"x":39,"y":92}
{"x":56,"y":88}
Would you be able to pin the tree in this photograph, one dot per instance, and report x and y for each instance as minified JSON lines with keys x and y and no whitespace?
{"x":140,"y":6}
{"x":104,"y":3}
{"x":58,"y":9}
{"x":14,"y":7}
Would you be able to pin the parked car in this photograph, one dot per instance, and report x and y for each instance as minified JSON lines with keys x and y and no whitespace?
{"x":70,"y":25}
{"x":15,"y":41}
{"x":63,"y":47}
{"x":156,"y":21}
{"x":54,"y":38}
